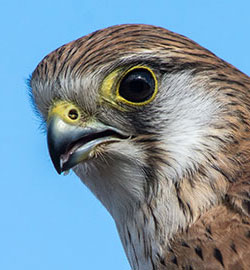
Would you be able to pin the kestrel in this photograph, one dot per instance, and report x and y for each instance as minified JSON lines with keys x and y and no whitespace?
{"x":158,"y":128}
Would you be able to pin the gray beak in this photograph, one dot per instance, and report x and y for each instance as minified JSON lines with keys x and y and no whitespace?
{"x":71,"y":144}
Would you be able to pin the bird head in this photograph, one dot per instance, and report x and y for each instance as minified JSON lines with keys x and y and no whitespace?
{"x":148,"y":119}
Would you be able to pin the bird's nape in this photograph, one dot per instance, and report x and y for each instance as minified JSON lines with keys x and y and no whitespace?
{"x":158,"y":128}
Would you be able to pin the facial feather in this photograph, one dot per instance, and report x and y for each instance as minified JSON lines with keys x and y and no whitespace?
{"x":187,"y":150}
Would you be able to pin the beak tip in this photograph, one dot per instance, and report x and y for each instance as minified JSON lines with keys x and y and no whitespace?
{"x":58,"y":168}
{"x":56,"y":161}
{"x":59,"y":171}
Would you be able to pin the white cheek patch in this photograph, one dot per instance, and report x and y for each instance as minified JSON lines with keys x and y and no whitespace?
{"x":189,"y":111}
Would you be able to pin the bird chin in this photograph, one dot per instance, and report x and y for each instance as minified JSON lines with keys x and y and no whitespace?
{"x":114,"y":176}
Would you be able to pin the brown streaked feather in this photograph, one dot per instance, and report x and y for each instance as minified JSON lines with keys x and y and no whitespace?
{"x":218,"y":240}
{"x":218,"y":233}
{"x":108,"y":44}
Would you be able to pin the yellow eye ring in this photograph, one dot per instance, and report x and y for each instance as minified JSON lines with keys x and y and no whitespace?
{"x":138,"y":86}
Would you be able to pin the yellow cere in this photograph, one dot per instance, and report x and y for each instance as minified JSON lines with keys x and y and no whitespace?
{"x":66,"y":110}
{"x":110,"y":87}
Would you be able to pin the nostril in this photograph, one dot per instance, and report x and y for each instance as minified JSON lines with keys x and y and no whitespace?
{"x":73,"y":114}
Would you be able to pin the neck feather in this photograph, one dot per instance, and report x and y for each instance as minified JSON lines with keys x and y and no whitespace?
{"x":147,"y":221}
{"x":146,"y":231}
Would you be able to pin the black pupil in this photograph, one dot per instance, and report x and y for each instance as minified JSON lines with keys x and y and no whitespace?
{"x":137,"y":86}
{"x":73,"y":114}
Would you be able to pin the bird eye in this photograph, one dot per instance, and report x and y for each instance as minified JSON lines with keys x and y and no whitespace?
{"x":73,"y":114}
{"x":138,"y":86}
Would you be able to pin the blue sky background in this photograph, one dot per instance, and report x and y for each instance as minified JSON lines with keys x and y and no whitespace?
{"x":49,"y":221}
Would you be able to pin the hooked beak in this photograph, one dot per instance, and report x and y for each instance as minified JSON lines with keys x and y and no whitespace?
{"x":71,"y":144}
